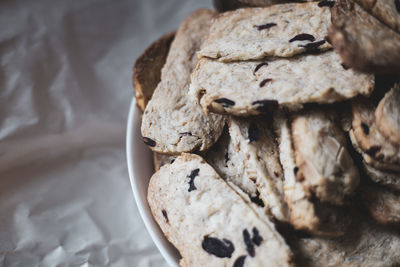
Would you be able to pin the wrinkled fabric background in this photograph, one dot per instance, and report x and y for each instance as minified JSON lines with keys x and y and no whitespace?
{"x":65,"y":90}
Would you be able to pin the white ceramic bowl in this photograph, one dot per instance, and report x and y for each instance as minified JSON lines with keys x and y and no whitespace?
{"x":140,"y":167}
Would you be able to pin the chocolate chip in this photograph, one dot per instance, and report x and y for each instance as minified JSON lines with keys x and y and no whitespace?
{"x":257,"y":239}
{"x":249,"y":243}
{"x":239,"y":262}
{"x":259,"y":66}
{"x":373,"y":150}
{"x":365,"y":128}
{"x":192,"y":175}
{"x":186,"y":134}
{"x":257,"y":200}
{"x":303,"y":37}
{"x":253,"y":132}
{"x":397,"y":4}
{"x":149,"y":142}
{"x":164,"y":213}
{"x":326,"y":3}
{"x":266,"y":106}
{"x":313,"y":47}
{"x":295,"y":170}
{"x":214,"y":246}
{"x":264,"y":82}
{"x":225,"y":102}
{"x":265,"y":26}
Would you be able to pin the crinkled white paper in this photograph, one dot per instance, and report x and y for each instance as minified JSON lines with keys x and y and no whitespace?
{"x":65,"y":90}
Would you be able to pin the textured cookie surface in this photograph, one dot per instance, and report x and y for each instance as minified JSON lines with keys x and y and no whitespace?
{"x":388,"y":179}
{"x":318,"y":218}
{"x":367,"y":139}
{"x":208,"y":222}
{"x":354,"y":34}
{"x":387,"y":115}
{"x":382,"y":204}
{"x":280,"y":30}
{"x":244,"y":88}
{"x":387,"y":11}
{"x":172,"y":122}
{"x":147,"y":69}
{"x":325,"y":167}
{"x":366,"y":244}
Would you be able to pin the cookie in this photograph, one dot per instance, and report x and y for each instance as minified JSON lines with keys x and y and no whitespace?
{"x":160,"y":160}
{"x":208,"y":222}
{"x":387,"y":115}
{"x":365,"y":244}
{"x":279,"y":30}
{"x":390,"y":180}
{"x":325,"y":167}
{"x":172,"y":122}
{"x":368,"y":140}
{"x":306,"y":213}
{"x":354,"y":34}
{"x":147,"y":69}
{"x":289,"y":82}
{"x":387,"y":11}
{"x":382,"y":204}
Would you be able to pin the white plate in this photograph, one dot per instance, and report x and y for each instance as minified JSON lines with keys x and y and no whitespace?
{"x":140,"y":167}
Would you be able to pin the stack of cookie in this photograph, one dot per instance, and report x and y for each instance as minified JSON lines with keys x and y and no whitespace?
{"x":251,"y":120}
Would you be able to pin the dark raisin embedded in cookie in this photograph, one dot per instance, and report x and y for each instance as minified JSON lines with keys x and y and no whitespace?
{"x":257,"y":200}
{"x":214,"y":246}
{"x":265,"y":26}
{"x":303,"y":37}
{"x":149,"y":141}
{"x":239,"y":262}
{"x":257,"y":239}
{"x":192,"y":175}
{"x":253,"y":133}
{"x":313,"y":47}
{"x":326,"y":3}
{"x":225,"y":102}
{"x":164,"y":213}
{"x":264,"y":82}
{"x":249,"y":243}
{"x":259,"y":66}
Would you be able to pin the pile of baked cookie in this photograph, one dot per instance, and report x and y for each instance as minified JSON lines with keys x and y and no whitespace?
{"x":276,"y":133}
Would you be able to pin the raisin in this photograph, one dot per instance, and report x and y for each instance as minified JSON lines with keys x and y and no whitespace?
{"x":172,"y":161}
{"x":365,"y":128}
{"x":266,"y":106}
{"x":226,"y":157}
{"x":344,"y":66}
{"x":186,"y":134}
{"x":295,"y":170}
{"x":397,"y":4}
{"x":259,"y":66}
{"x":214,"y":246}
{"x":253,"y":132}
{"x":225,"y":102}
{"x":192,"y":175}
{"x":265,"y":26}
{"x":249,"y":243}
{"x":313,"y":47}
{"x":326,"y":3}
{"x":303,"y":37}
{"x":373,"y":150}
{"x":264,"y":82}
{"x":257,"y":239}
{"x":149,"y":142}
{"x":239,"y":262}
{"x":164,"y":213}
{"x":257,"y":200}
